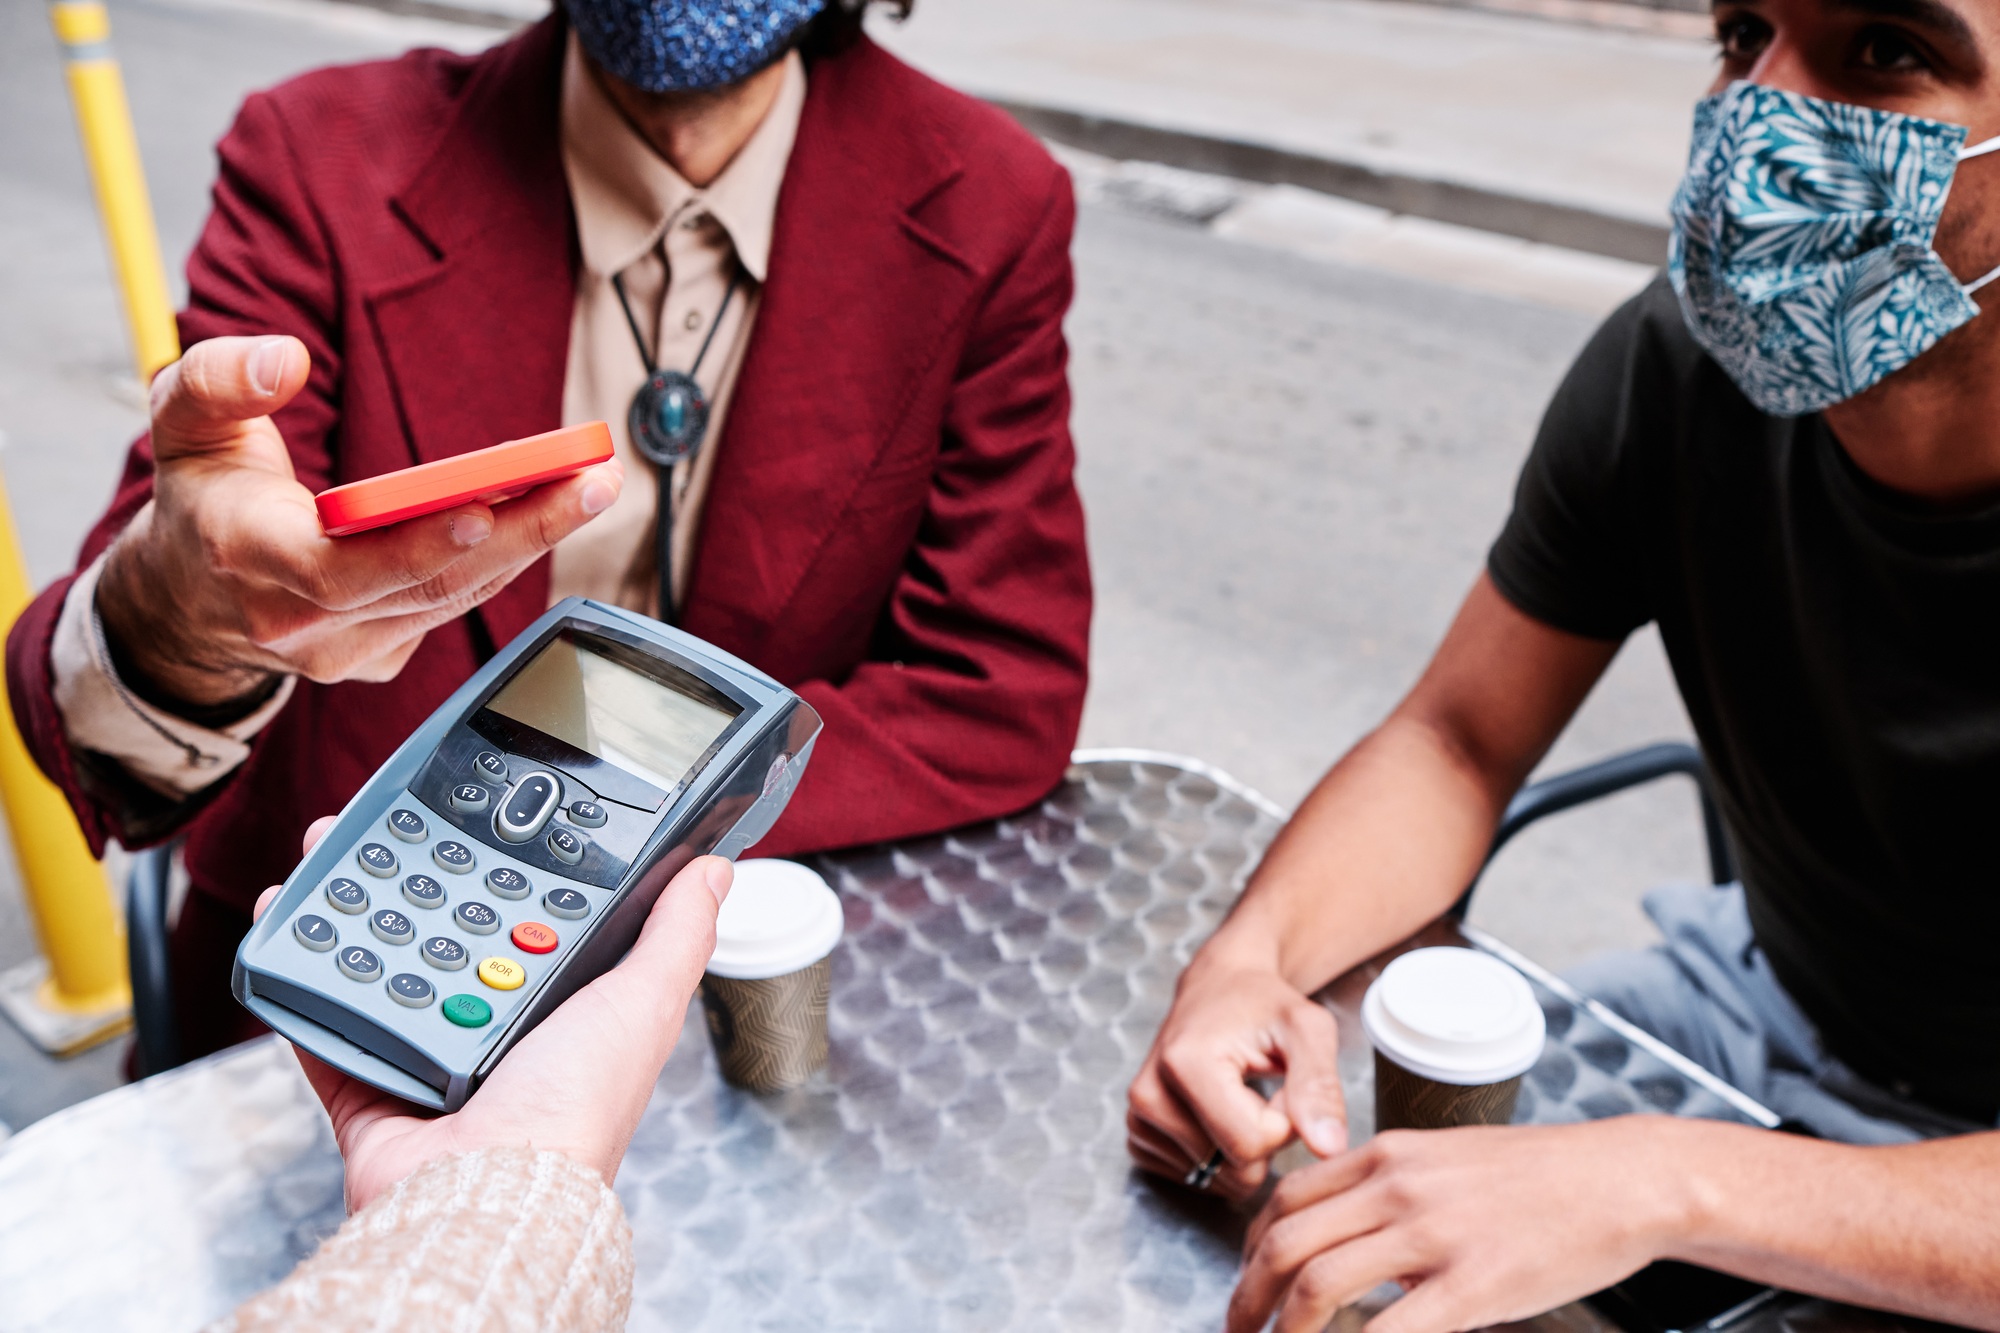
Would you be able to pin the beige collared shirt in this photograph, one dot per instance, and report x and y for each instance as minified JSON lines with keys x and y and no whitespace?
{"x":676,"y":247}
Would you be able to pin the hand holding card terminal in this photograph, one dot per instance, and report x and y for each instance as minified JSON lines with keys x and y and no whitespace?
{"x":509,"y":851}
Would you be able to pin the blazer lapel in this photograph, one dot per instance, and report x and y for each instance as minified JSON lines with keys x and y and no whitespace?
{"x":858,"y":303}
{"x":476,"y":343}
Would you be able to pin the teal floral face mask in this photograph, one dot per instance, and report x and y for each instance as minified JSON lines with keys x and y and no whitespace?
{"x":1801,"y":247}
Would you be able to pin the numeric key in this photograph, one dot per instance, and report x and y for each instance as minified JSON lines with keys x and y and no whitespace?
{"x":477,"y":918}
{"x":423,"y":891}
{"x":378,"y":860}
{"x":454,"y":857}
{"x":444,"y":953}
{"x":392,"y":927}
{"x":358,"y":963}
{"x":507,"y":882}
{"x":347,"y":896}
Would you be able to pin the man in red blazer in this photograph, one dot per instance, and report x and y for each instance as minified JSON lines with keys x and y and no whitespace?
{"x":416,"y":258}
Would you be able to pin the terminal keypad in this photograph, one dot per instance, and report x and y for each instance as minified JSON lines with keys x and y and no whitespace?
{"x":482,"y":912}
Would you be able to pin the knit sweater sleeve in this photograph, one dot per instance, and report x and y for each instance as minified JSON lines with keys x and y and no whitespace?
{"x":500,"y":1239}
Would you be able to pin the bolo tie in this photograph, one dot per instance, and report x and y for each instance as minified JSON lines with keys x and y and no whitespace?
{"x":667,"y":421}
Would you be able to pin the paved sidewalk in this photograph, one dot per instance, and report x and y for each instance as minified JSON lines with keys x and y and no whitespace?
{"x":1516,"y":107}
{"x":1556,"y":121}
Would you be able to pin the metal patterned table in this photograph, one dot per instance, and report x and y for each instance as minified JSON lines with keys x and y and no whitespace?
{"x":960,"y":1165}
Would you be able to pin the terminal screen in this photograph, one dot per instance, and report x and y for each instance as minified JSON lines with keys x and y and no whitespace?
{"x":636,"y":721}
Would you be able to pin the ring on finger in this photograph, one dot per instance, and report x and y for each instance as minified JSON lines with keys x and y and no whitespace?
{"x":1204,"y":1175}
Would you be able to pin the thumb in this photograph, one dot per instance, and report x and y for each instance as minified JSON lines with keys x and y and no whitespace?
{"x":1312,"y":1099}
{"x":673,"y":949}
{"x":198,"y":401}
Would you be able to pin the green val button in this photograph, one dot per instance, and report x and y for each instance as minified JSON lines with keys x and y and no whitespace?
{"x":468,"y":1011}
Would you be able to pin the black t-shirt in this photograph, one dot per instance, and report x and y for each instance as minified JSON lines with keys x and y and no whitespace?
{"x":1838,"y":648}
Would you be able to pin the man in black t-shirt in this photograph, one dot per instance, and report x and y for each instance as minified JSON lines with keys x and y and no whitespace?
{"x":1786,"y":453}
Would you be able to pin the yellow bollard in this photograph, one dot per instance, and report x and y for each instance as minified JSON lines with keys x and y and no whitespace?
{"x":105,"y":122}
{"x":77,"y":993}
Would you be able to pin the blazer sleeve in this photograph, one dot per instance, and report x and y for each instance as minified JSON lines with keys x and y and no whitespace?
{"x":968,"y":703}
{"x":262,"y":265}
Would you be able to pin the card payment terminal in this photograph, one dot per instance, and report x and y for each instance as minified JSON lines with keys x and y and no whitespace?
{"x":510,"y":850}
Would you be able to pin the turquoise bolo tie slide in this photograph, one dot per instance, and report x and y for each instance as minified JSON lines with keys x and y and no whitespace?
{"x":668,"y":418}
{"x":669,"y":414}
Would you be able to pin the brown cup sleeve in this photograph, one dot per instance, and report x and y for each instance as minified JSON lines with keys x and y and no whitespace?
{"x":1404,"y":1100}
{"x":769,"y":1034}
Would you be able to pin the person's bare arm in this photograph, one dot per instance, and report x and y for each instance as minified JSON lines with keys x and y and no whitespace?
{"x":1909,"y":1228}
{"x":1488,"y":1225}
{"x":1383,"y":845}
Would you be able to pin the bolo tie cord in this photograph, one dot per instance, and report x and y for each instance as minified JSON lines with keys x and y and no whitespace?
{"x":663,"y":473}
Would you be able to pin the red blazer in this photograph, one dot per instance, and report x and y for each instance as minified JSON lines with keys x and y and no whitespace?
{"x":893,"y":528}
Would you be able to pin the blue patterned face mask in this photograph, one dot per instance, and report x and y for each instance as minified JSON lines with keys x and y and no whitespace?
{"x":1801,"y":247}
{"x":673,"y":45}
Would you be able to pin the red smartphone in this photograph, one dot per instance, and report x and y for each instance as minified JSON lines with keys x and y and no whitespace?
{"x":496,"y":474}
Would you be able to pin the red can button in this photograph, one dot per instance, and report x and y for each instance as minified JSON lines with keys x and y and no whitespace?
{"x":534,"y":937}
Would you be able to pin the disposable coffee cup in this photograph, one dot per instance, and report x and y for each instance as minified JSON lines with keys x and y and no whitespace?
{"x":1453,"y":1030}
{"x":765,"y":989}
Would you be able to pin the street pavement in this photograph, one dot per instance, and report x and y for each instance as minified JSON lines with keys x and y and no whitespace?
{"x":1294,"y":448}
{"x":1564,"y":113}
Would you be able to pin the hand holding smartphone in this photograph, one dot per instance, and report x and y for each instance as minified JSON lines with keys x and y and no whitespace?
{"x":489,"y":475}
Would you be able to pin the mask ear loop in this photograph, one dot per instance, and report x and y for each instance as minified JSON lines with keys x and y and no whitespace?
{"x":1973,"y":286}
{"x":1980,"y":149}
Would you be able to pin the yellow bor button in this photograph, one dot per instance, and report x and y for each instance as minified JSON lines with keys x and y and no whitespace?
{"x":502,"y":973}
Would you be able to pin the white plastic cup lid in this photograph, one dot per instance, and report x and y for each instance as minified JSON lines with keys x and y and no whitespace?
{"x":779,"y":917}
{"x":1454,"y":1016}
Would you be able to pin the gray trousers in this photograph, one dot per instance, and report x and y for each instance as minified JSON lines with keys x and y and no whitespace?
{"x":1708,"y":992}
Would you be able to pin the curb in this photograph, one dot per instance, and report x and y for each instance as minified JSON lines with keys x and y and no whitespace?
{"x":1571,"y":226}
{"x":472,"y":16}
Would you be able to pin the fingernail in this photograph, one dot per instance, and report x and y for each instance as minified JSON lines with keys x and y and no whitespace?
{"x":267,"y":366}
{"x":597,"y":497}
{"x":470,"y":529}
{"x":1326,"y":1137}
{"x":720,"y":875}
